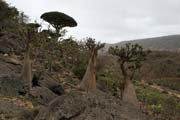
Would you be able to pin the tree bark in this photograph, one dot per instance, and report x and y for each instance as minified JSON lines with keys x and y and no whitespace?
{"x":124,"y":79}
{"x":27,"y":70}
{"x":129,"y":94}
{"x":89,"y":80}
{"x":27,"y":67}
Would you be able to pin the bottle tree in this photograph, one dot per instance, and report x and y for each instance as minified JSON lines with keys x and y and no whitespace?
{"x":28,"y":33}
{"x":88,"y":82}
{"x":130,"y":58}
{"x":58,"y":20}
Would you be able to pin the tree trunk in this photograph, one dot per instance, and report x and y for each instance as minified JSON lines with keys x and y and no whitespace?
{"x":27,"y":69}
{"x":129,"y":94}
{"x":124,"y":78}
{"x":89,"y":80}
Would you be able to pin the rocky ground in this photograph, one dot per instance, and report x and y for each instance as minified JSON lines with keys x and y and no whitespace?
{"x":54,"y":96}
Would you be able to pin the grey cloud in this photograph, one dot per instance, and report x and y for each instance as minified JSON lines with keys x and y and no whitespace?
{"x":112,"y":20}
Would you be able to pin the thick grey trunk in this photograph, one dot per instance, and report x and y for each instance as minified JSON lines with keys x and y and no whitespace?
{"x":89,"y":80}
{"x":27,"y":70}
{"x":129,"y":94}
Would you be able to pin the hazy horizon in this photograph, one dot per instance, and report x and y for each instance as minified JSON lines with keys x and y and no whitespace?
{"x":146,"y":38}
{"x":111,"y":21}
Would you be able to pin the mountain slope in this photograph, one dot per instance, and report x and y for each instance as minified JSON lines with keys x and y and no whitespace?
{"x":170,"y":43}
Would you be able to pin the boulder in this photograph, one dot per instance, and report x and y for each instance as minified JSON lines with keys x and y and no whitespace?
{"x":9,"y":66}
{"x":41,"y":95}
{"x":10,"y":110}
{"x":29,"y":114}
{"x":12,"y":85}
{"x":91,"y":106}
{"x":48,"y":82}
{"x":10,"y":42}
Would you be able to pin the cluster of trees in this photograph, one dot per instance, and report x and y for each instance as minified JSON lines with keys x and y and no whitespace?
{"x":51,"y":47}
{"x":60,"y":20}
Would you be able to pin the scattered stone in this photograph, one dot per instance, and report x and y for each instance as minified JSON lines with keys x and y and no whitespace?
{"x":11,"y":85}
{"x":5,"y":55}
{"x":10,"y":110}
{"x":92,"y":106}
{"x":41,"y":96}
{"x":48,"y":82}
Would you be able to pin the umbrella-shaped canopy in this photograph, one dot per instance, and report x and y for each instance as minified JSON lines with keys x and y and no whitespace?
{"x":58,"y":19}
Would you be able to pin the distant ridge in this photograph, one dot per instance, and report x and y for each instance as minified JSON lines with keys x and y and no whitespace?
{"x":169,"y":43}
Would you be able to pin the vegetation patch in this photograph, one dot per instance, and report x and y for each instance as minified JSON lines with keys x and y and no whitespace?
{"x":171,"y":83}
{"x":159,"y":104}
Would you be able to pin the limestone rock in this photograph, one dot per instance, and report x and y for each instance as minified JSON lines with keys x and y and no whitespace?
{"x":92,"y":106}
{"x":41,"y":95}
{"x":11,"y":85}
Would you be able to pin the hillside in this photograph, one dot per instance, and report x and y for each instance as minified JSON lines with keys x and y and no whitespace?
{"x":44,"y":76}
{"x":157,"y":83}
{"x":167,"y":43}
{"x":40,"y":76}
{"x":54,"y":95}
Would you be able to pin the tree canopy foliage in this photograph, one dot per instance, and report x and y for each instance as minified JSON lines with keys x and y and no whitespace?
{"x":59,"y":20}
{"x":131,"y":55}
{"x":88,"y":82}
{"x":130,"y":58}
{"x":7,"y":12}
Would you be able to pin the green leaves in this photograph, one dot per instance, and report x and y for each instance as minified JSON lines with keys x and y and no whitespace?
{"x":130,"y":57}
{"x":159,"y":104}
{"x":91,"y":44}
{"x":129,"y":52}
{"x":58,"y":20}
{"x":7,"y":12}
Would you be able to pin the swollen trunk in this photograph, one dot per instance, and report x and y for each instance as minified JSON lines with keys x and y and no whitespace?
{"x":27,"y":70}
{"x":89,"y":80}
{"x":129,"y":94}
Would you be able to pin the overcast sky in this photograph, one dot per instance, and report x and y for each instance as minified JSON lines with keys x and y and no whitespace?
{"x":111,"y":20}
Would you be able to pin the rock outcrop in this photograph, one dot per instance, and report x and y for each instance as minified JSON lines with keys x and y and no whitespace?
{"x":92,"y":106}
{"x":11,"y":85}
{"x":54,"y":96}
{"x":10,"y":42}
{"x":41,"y":96}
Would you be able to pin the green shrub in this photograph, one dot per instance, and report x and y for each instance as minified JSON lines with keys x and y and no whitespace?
{"x":171,"y":83}
{"x":79,"y":69}
{"x":156,"y":109}
{"x":109,"y":78}
{"x":160,"y":104}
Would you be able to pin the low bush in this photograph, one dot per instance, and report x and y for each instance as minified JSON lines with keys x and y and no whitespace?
{"x":171,"y":83}
{"x":159,"y":104}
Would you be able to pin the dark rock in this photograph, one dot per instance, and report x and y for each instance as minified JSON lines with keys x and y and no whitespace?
{"x":57,"y":89}
{"x":4,"y":50}
{"x":47,"y":81}
{"x":35,"y":79}
{"x":1,"y":34}
{"x":10,"y":110}
{"x":29,"y":114}
{"x":10,"y":42}
{"x":7,"y":66}
{"x":41,"y":95}
{"x":92,"y":106}
{"x":11,"y":85}
{"x":50,"y":83}
{"x":26,"y":115}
